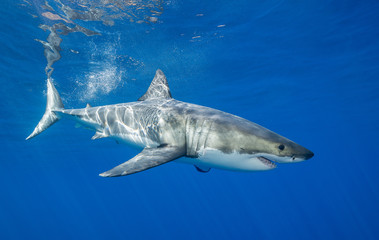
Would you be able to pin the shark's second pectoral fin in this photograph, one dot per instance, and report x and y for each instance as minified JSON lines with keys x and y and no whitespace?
{"x":202,"y":169}
{"x":148,"y":158}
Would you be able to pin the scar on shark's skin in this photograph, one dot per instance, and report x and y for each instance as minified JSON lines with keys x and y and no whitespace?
{"x":169,"y":130}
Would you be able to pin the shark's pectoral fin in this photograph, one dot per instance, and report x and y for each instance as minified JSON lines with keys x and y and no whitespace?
{"x":202,"y":169}
{"x":148,"y":158}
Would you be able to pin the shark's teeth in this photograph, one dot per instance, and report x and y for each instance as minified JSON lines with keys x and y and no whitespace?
{"x":267,"y":162}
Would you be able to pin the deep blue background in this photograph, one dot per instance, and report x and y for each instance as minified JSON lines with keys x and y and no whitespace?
{"x":307,"y":70}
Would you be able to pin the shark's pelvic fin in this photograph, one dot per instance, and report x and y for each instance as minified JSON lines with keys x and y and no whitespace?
{"x":54,"y":102}
{"x":148,"y":158}
{"x":158,"y":88}
{"x":102,"y":134}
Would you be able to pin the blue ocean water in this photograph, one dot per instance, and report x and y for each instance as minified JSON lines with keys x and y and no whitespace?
{"x":307,"y":70}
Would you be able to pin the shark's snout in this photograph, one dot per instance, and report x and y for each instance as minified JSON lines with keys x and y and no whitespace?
{"x":304,"y":155}
{"x":309,"y":155}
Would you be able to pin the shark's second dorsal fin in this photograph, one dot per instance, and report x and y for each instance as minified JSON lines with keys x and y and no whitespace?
{"x":88,"y":105}
{"x":158,"y":88}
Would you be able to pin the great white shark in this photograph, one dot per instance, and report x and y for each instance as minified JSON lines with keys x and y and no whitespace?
{"x":167,"y":130}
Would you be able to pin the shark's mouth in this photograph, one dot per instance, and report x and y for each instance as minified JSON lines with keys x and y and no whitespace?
{"x":267,"y":162}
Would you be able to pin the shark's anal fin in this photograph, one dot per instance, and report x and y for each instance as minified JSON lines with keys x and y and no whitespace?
{"x":148,"y":158}
{"x":158,"y":88}
{"x":202,"y":169}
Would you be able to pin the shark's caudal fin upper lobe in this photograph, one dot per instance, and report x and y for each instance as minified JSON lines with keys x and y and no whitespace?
{"x":54,"y":102}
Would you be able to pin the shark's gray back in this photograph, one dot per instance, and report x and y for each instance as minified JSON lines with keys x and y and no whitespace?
{"x":135,"y":122}
{"x":167,"y":121}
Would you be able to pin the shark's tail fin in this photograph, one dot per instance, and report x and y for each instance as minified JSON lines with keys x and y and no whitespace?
{"x":54,"y":102}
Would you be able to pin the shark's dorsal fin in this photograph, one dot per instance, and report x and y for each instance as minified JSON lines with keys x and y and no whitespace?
{"x":88,"y":105}
{"x":158,"y":88}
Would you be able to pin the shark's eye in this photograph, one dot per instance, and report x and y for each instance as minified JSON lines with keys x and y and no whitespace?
{"x":281,"y":147}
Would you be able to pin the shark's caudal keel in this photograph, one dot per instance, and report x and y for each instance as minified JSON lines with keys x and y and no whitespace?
{"x":169,"y":130}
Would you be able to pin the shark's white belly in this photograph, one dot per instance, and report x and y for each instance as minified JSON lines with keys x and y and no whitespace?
{"x":213,"y":158}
